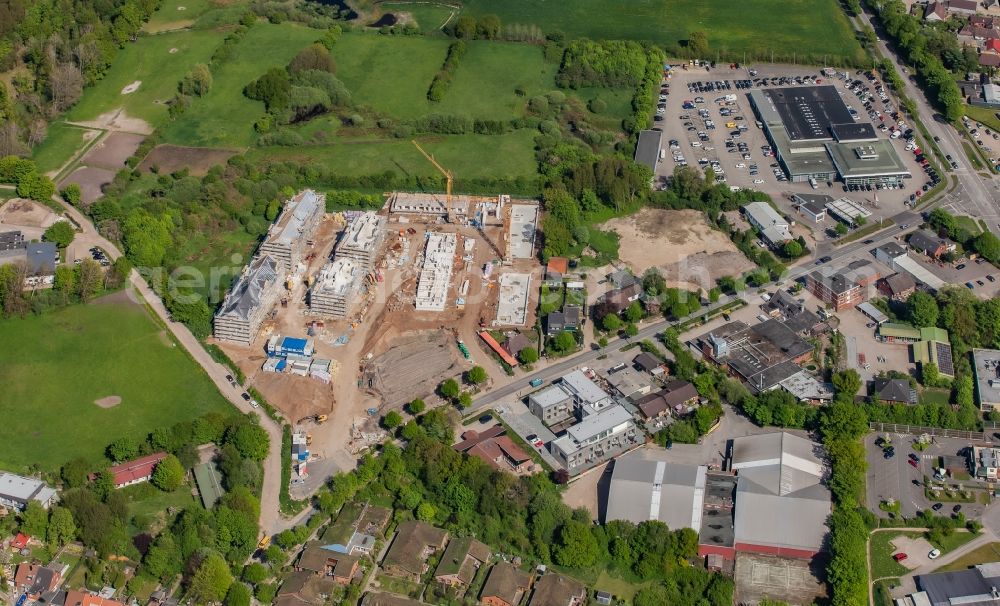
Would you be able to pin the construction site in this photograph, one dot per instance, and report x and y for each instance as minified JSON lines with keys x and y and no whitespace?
{"x":347,"y":315}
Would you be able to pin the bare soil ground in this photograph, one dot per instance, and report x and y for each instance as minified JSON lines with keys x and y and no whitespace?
{"x":118,"y":120}
{"x":108,"y":401}
{"x":413,"y":367}
{"x":171,"y":158}
{"x":91,"y":181}
{"x":113,"y":151}
{"x":18,"y":212}
{"x":689,"y":252}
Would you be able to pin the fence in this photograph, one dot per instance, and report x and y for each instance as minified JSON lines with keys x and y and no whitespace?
{"x":932,"y":431}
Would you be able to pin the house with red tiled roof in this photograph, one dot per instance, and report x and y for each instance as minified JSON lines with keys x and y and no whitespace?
{"x":136,"y":471}
{"x":20,"y":541}
{"x":82,"y":598}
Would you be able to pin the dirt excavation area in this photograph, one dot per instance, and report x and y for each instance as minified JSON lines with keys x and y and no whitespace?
{"x":172,"y":158}
{"x":413,"y":367}
{"x":689,"y":252}
{"x":28,"y":216}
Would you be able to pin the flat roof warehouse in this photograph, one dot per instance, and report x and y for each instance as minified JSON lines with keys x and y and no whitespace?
{"x":815,"y":137}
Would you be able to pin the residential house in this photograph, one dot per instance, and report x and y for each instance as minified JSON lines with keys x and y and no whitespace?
{"x":552,"y":405}
{"x":649,"y":363}
{"x":629,"y":382}
{"x":341,"y":567}
{"x":678,"y":396}
{"x":554,"y":589}
{"x":936,"y":11}
{"x":136,"y":471}
{"x":930,"y":244}
{"x":34,"y":579}
{"x":502,"y":453}
{"x":516,"y":342}
{"x":304,"y":588}
{"x":556,"y":268}
{"x":622,"y":278}
{"x":16,"y":491}
{"x":82,"y":598}
{"x":567,"y":319}
{"x":963,"y":8}
{"x":596,"y":438}
{"x":414,"y":543}
{"x":897,"y":287}
{"x":461,"y":560}
{"x":618,"y":299}
{"x":505,"y":586}
{"x":893,"y":391}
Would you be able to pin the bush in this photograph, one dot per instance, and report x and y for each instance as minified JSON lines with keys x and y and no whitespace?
{"x":598,"y":105}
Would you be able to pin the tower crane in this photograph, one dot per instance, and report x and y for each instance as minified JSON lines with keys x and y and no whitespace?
{"x":447,"y":174}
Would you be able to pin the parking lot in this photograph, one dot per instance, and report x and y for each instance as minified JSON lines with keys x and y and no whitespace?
{"x":899,"y":479}
{"x":708,"y":122}
{"x":979,"y":276}
{"x":986,"y":138}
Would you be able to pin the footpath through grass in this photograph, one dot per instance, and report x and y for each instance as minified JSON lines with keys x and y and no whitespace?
{"x":56,"y":365}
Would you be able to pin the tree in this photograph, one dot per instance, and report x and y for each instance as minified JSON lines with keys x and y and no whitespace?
{"x":74,"y":472}
{"x":564,"y":342}
{"x":251,"y":440}
{"x":528,"y":355}
{"x":36,"y":186}
{"x":922,"y":309}
{"x":315,"y":56}
{"x":425,"y":512}
{"x":61,"y":233}
{"x":238,"y":595}
{"x":465,"y":27}
{"x":168,"y":474}
{"x":123,"y":449}
{"x":465,"y":399}
{"x":631,"y":329}
{"x":847,"y":382}
{"x":633,"y":313}
{"x":62,"y":528}
{"x":698,"y":43}
{"x":255,"y":572}
{"x":417,"y":406}
{"x":841,"y":229}
{"x":792,"y":249}
{"x":611,"y":322}
{"x":197,"y":82}
{"x":212,"y":580}
{"x":450,"y":389}
{"x":72,"y":194}
{"x":488,"y":27}
{"x":34,"y":520}
{"x":392,"y":420}
{"x":577,"y":546}
{"x":476,"y":375}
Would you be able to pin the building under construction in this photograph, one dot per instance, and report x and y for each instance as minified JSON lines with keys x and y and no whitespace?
{"x":430,"y":205}
{"x":362,"y":239}
{"x":248,"y":302}
{"x":435,"y":275}
{"x":289,"y":236}
{"x":334,"y":291}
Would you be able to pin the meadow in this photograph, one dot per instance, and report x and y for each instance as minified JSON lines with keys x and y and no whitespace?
{"x":784,"y":27}
{"x":61,"y":142}
{"x":57,"y":364}
{"x":467,"y":156}
{"x":224,"y":117}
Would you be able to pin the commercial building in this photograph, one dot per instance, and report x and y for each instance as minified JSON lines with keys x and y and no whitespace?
{"x":646,"y":486}
{"x":435,"y":275}
{"x":976,"y":586}
{"x":848,"y":211}
{"x":586,"y":394}
{"x":136,"y":471}
{"x":812,"y":206}
{"x":889,"y":253}
{"x":781,"y":502}
{"x":842,"y":288}
{"x":898,"y":286}
{"x":362,"y":239}
{"x":38,"y":258}
{"x":248,"y":302}
{"x":289,"y":236}
{"x":761,"y":355}
{"x":647,"y":149}
{"x":806,"y":387}
{"x":597,"y":437}
{"x":772,"y":226}
{"x":334,"y":292}
{"x":986,"y":364}
{"x":17,"y":491}
{"x":552,"y":405}
{"x":815,"y":137}
{"x":985,"y":462}
{"x":630,"y":383}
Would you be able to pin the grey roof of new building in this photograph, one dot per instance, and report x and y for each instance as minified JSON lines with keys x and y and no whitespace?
{"x":970,"y":587}
{"x":841,"y":280}
{"x":987,"y":368}
{"x":41,"y":258}
{"x":647,"y":150}
{"x":585,"y":390}
{"x":596,"y":424}
{"x":292,"y":222}
{"x":646,"y":486}
{"x":780,"y":500}
{"x":550,"y":396}
{"x":21,"y":489}
{"x":894,"y":390}
{"x":245,"y":295}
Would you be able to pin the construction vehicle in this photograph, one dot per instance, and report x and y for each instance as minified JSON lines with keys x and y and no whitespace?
{"x":449,"y":178}
{"x":264,"y":542}
{"x":309,"y":439}
{"x":465,"y":350}
{"x":320,"y":419}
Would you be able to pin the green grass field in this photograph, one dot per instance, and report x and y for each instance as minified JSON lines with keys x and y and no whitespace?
{"x":150,"y":61}
{"x":61,"y":142}
{"x":428,"y":16}
{"x":755,"y":26}
{"x":56,"y":365}
{"x":468,"y":156}
{"x":981,"y":555}
{"x":882,"y":563}
{"x":224,"y":117}
{"x":174,"y":14}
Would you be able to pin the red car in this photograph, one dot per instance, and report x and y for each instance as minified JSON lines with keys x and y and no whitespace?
{"x":912,"y":462}
{"x":899,"y":557}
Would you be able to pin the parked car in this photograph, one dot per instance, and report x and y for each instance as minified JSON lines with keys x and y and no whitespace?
{"x":899,"y":557}
{"x":937,"y":506}
{"x":245,"y":396}
{"x":956,"y":509}
{"x":934,"y":554}
{"x":912,"y":462}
